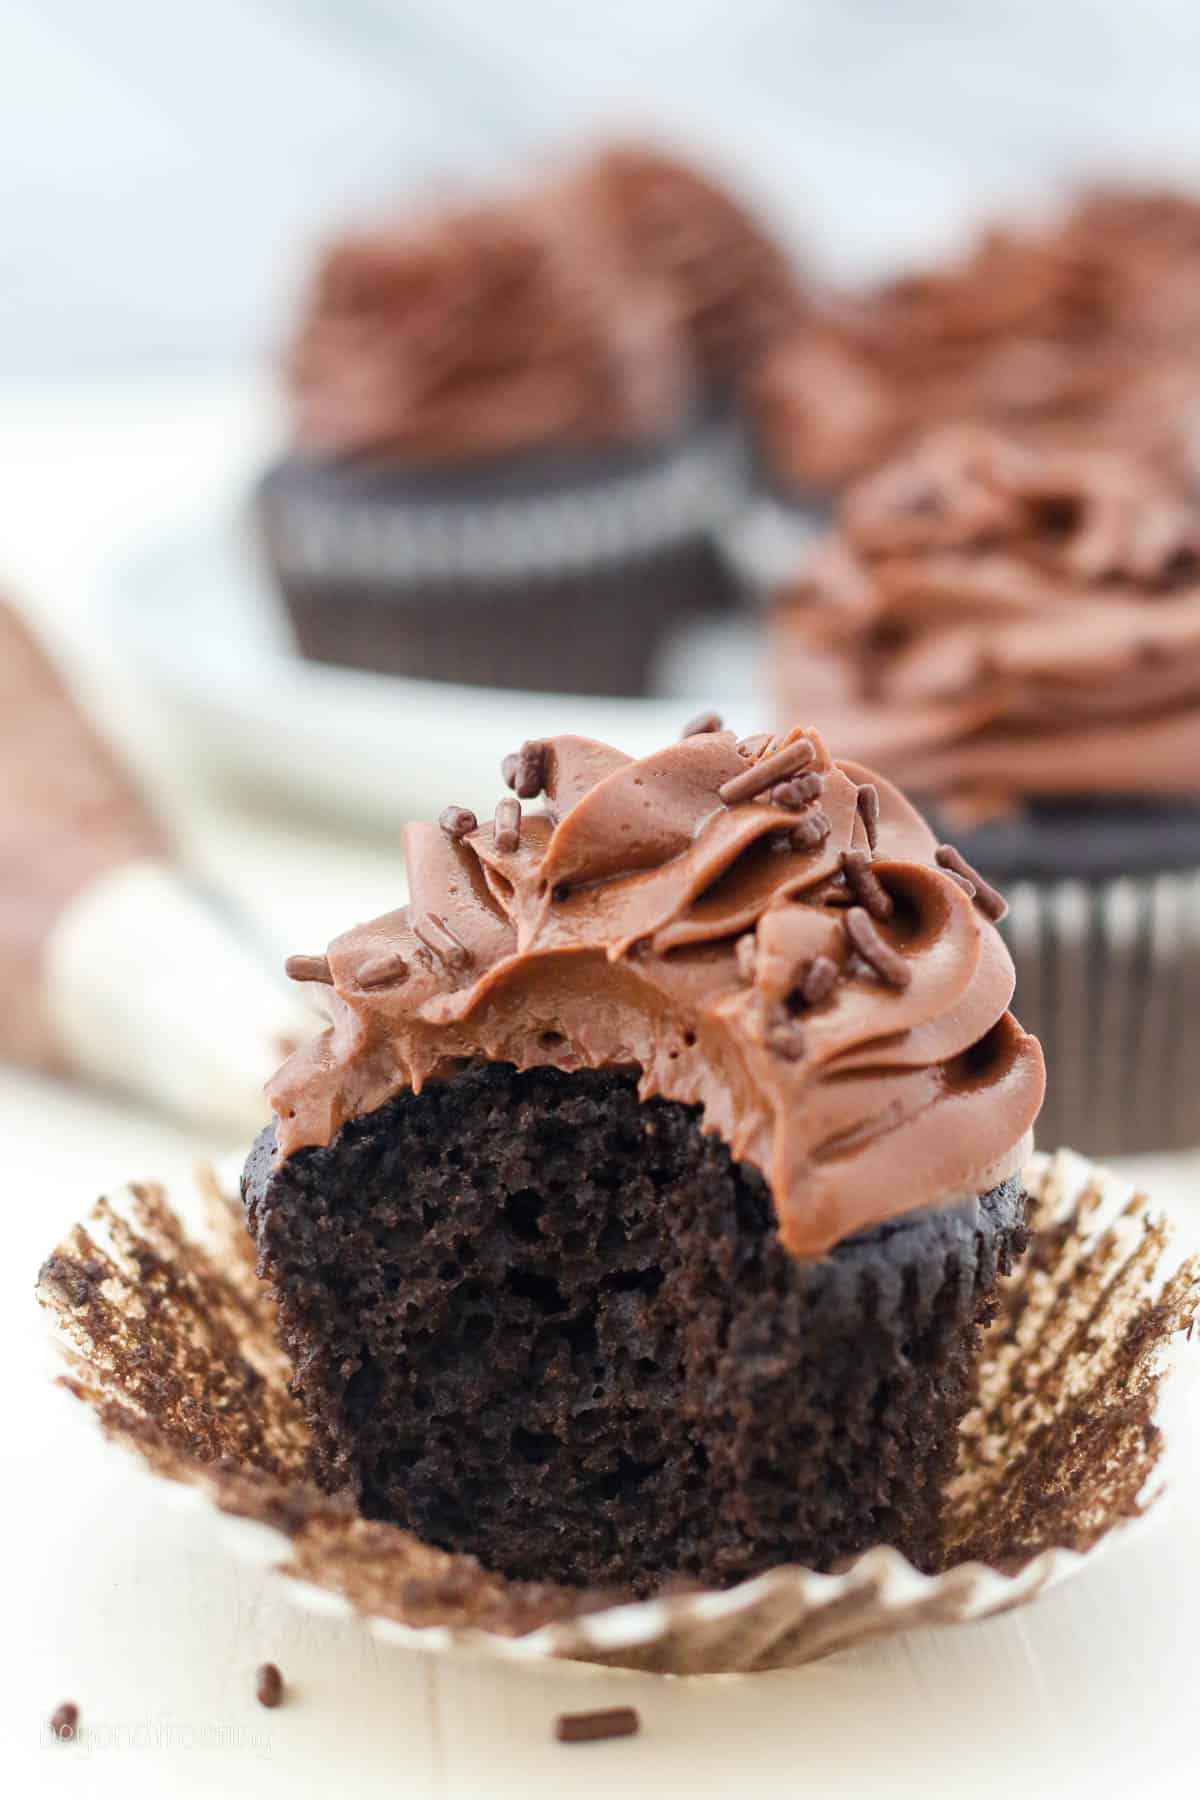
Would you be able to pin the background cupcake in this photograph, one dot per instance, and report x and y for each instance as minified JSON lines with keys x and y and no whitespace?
{"x":503,"y":468}
{"x":1083,"y":333}
{"x":1016,"y":637}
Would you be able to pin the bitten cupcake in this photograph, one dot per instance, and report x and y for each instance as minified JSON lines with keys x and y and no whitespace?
{"x":503,"y":470}
{"x":637,"y":1214}
{"x":1016,"y":637}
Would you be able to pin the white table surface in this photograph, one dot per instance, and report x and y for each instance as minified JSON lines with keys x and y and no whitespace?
{"x":134,"y":1609}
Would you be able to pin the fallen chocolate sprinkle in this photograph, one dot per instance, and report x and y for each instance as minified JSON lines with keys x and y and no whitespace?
{"x":64,"y":1720}
{"x":437,"y":936}
{"x":864,"y":938}
{"x":507,"y":835}
{"x":702,"y":723}
{"x":529,"y":769}
{"x":750,"y":746}
{"x":819,"y":980}
{"x":865,"y":884}
{"x":812,"y":829}
{"x":992,"y":904}
{"x":591,"y":1727}
{"x":767,"y":772}
{"x":746,"y":954}
{"x":868,"y":811}
{"x":457,"y":821}
{"x":268,"y":1685}
{"x":309,"y":968}
{"x":382,"y":971}
{"x":798,"y":792}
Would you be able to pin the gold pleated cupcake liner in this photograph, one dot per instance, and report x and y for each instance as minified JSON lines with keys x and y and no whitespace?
{"x":169,"y":1339}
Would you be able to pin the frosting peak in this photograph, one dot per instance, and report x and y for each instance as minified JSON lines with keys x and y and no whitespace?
{"x":494,"y":330}
{"x":758,"y":929}
{"x":992,"y":624}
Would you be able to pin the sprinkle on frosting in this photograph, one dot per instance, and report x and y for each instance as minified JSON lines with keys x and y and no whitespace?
{"x":983,"y":893}
{"x":308,"y":968}
{"x":703,"y":722}
{"x":507,"y":830}
{"x":866,"y":1066}
{"x":457,"y":821}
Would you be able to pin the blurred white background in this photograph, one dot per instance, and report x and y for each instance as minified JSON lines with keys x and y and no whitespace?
{"x":164,"y":168}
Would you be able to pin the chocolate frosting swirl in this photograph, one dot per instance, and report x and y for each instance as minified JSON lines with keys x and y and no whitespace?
{"x":732,"y":284}
{"x":496,"y":330}
{"x":991,"y":625}
{"x":712,"y":916}
{"x":1080,"y":335}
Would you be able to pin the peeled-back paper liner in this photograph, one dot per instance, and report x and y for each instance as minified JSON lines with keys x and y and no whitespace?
{"x":169,"y":1338}
{"x":1108,"y":978}
{"x":689,"y":494}
{"x":142,"y":978}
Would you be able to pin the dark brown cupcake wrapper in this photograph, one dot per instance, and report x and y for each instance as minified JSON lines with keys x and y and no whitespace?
{"x":397,"y":548}
{"x":170,"y":1342}
{"x":1108,"y":977}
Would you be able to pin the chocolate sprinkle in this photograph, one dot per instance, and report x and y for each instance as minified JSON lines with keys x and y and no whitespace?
{"x":746,"y":953}
{"x":785,"y":1035}
{"x":268,"y":1685}
{"x":457,"y":821}
{"x":702,"y":723}
{"x":527,"y":774}
{"x":767,"y":772}
{"x":864,"y":938}
{"x":309,"y":968}
{"x":64,"y":1720}
{"x":819,"y":980}
{"x":508,"y":769}
{"x":798,"y":792}
{"x":382,"y":971}
{"x":865,"y":884}
{"x":812,"y":829}
{"x":437,"y":936}
{"x":507,"y":835}
{"x":993,"y":905}
{"x":591,"y":1727}
{"x":868,"y":811}
{"x":968,"y":887}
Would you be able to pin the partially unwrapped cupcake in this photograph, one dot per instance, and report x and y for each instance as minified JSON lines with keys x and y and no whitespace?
{"x":637,"y":1215}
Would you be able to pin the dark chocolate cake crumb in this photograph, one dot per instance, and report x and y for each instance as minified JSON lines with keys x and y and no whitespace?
{"x":268,"y":1685}
{"x":64,"y":1721}
{"x":538,"y":1320}
{"x":592,"y":1727}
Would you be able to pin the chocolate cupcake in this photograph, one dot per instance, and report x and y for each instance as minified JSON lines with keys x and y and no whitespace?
{"x":734,"y":287}
{"x":503,"y":468}
{"x":1083,"y":334}
{"x":637,"y":1214}
{"x":1016,"y":637}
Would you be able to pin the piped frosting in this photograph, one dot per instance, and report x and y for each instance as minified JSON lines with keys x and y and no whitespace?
{"x":838,"y":1011}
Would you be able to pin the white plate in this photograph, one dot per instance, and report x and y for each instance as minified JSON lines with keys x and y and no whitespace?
{"x":200,"y":620}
